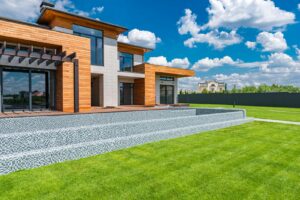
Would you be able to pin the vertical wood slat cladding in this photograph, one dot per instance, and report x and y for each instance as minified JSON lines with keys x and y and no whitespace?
{"x":139,"y":87}
{"x":65,"y":81}
{"x":149,"y":90}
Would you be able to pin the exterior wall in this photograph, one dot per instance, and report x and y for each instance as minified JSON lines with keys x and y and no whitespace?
{"x":211,"y":86}
{"x":149,"y":92}
{"x":138,"y":59}
{"x":110,"y":73}
{"x":26,"y":34}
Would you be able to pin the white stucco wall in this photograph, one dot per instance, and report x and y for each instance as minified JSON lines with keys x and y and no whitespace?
{"x":110,"y":72}
{"x":138,"y":59}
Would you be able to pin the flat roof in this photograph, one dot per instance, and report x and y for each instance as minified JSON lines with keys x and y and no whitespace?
{"x":146,"y":49}
{"x":77,"y":16}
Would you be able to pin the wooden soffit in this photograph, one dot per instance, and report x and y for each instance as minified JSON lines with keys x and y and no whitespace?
{"x":170,"y":71}
{"x":132,"y":49}
{"x":53,"y":17}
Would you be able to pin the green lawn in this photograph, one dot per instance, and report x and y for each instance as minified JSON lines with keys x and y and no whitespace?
{"x":287,"y":114}
{"x":253,"y":161}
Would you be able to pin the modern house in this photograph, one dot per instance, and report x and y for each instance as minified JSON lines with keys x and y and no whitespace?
{"x":70,"y":63}
{"x":211,"y":86}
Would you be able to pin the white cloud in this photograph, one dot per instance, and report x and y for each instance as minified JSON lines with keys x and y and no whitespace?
{"x":96,"y":10}
{"x":177,"y":62}
{"x":190,"y":83}
{"x":297,"y":50}
{"x":180,"y":63}
{"x":280,"y":68}
{"x":141,"y":38}
{"x":272,"y":42}
{"x":217,"y":39}
{"x":206,"y":64}
{"x":258,"y":78}
{"x":250,"y":45}
{"x":160,"y":60}
{"x":299,"y":6}
{"x":29,"y":10}
{"x":227,"y":16}
{"x":69,"y":6}
{"x":22,"y":10}
{"x":188,"y":24}
{"x":259,"y":14}
{"x":275,"y":62}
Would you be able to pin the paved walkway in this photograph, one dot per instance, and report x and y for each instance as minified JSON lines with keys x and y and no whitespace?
{"x":277,"y":121}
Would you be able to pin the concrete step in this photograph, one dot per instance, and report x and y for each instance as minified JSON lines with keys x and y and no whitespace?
{"x":12,"y":125}
{"x":36,"y":158}
{"x":33,"y":140}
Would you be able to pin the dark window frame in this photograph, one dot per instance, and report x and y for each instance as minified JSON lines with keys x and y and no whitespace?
{"x":132,"y":61}
{"x":29,"y":72}
{"x":96,"y":39}
{"x":122,"y":94}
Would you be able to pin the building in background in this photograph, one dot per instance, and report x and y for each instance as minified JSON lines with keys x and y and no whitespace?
{"x":211,"y":86}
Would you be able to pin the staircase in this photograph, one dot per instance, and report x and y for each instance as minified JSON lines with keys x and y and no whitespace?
{"x":38,"y":141}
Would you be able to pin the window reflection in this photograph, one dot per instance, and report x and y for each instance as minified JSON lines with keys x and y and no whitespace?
{"x":15,"y":90}
{"x":96,"y":37}
{"x":19,"y":86}
{"x":126,"y":62}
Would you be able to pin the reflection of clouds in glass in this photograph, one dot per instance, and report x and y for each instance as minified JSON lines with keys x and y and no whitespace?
{"x":38,"y":82}
{"x":14,"y":82}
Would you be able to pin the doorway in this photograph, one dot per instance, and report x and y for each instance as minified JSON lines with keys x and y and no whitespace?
{"x":166,"y":94}
{"x":97,"y":91}
{"x":126,"y":93}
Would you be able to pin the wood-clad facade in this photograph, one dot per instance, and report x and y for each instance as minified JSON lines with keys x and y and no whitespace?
{"x":54,"y":29}
{"x":147,"y":86}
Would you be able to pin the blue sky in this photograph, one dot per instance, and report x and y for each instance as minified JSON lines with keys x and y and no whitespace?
{"x":215,"y":44}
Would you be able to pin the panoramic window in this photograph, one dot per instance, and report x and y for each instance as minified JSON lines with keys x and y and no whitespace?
{"x":96,"y":37}
{"x":126,"y":62}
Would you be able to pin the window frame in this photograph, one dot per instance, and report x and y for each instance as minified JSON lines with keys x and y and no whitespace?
{"x":96,"y":39}
{"x":132,"y":61}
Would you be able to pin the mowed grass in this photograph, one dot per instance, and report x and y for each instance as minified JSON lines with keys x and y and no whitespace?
{"x":252,"y":161}
{"x":277,"y":113}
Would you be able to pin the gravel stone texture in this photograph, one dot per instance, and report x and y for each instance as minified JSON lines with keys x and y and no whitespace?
{"x":38,"y":141}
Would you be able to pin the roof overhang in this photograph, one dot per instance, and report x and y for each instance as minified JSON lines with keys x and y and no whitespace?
{"x":170,"y":71}
{"x":134,"y":49}
{"x":48,"y":14}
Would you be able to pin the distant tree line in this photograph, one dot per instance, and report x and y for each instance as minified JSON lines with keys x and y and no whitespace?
{"x":252,"y":89}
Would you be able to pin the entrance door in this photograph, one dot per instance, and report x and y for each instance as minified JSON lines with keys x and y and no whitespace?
{"x":166,"y":94}
{"x":126,"y":93}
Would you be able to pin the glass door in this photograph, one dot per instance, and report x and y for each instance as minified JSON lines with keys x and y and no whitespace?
{"x":166,"y":94}
{"x":24,"y":90}
{"x":39,"y":90}
{"x":15,"y":90}
{"x":126,"y":93}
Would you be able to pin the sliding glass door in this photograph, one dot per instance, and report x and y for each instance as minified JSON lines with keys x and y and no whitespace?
{"x":15,"y":90}
{"x":39,"y":90}
{"x":24,"y":90}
